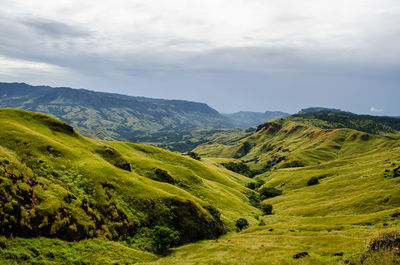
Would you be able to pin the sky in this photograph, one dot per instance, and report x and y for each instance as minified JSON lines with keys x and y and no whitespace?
{"x":234,"y":55}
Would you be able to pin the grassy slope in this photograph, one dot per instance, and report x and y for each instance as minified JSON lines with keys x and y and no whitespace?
{"x":352,"y":201}
{"x":57,"y":183}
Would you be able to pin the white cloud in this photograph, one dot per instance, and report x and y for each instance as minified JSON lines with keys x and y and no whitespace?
{"x":10,"y":66}
{"x":126,"y":43}
{"x":128,"y":25}
{"x":376,"y":110}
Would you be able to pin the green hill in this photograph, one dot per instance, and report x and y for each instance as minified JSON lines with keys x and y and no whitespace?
{"x":54,"y":183}
{"x":307,"y":139}
{"x":356,"y":192}
{"x":69,"y":199}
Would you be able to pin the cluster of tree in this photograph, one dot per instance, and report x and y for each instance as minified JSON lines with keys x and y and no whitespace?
{"x":243,"y":169}
{"x":193,"y":155}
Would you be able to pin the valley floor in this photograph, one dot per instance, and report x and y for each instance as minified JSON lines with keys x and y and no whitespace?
{"x":328,"y":240}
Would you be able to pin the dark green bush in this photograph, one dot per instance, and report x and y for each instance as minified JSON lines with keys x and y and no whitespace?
{"x":240,"y":168}
{"x":3,"y":243}
{"x":312,"y":181}
{"x":164,"y":238}
{"x":162,"y":175}
{"x":193,"y":155}
{"x":241,"y":224}
{"x":254,"y":199}
{"x":293,"y":164}
{"x":243,"y":150}
{"x":251,"y":185}
{"x":266,"y":209}
{"x":266,"y":193}
{"x":255,"y":185}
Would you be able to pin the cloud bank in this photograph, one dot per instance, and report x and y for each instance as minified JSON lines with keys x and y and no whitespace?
{"x":257,"y":55}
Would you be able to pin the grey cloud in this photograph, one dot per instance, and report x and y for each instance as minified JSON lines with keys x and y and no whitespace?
{"x":272,"y":72}
{"x":54,"y":29}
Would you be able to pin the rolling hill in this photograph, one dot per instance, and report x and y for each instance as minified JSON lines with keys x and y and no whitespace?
{"x":55,"y":183}
{"x":355,"y":194}
{"x":70,"y":199}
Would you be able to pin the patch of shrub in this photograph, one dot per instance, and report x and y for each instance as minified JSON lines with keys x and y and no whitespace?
{"x":251,"y":185}
{"x":194,"y":155}
{"x":254,"y":199}
{"x":243,"y":150}
{"x":255,"y":185}
{"x":266,"y":208}
{"x":162,"y":176}
{"x":383,"y":247}
{"x":114,"y":157}
{"x":241,"y":224}
{"x":312,"y":181}
{"x":164,"y":238}
{"x":266,"y":193}
{"x":396,"y":172}
{"x":259,"y":183}
{"x":240,"y":168}
{"x":386,"y":240}
{"x":3,"y":243}
{"x":301,"y":255}
{"x":293,"y":164}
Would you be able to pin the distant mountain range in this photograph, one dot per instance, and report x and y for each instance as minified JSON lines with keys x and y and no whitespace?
{"x":111,"y":116}
{"x":245,"y":119}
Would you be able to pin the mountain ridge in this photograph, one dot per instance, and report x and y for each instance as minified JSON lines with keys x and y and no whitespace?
{"x":110,"y":115}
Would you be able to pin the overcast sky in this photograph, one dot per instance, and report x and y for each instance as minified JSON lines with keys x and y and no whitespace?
{"x":231,"y":54}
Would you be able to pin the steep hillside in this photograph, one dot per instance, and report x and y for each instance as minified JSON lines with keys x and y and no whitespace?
{"x":111,"y":116}
{"x":246,"y":119}
{"x":57,"y":184}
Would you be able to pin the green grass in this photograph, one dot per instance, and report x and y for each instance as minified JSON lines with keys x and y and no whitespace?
{"x":353,"y":199}
{"x":80,"y":186}
{"x":54,"y":251}
{"x":56,"y":183}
